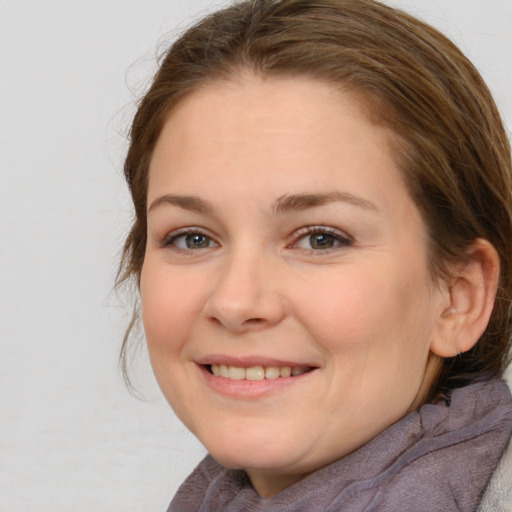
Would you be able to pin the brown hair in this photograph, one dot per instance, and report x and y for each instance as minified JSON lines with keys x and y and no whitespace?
{"x":453,"y":149}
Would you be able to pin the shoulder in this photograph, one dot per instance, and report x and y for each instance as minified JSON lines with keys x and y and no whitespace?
{"x":498,"y":497}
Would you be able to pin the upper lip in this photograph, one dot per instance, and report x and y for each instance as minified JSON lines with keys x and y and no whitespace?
{"x":249,"y":361}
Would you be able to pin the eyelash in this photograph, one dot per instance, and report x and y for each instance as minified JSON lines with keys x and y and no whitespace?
{"x":170,"y":239}
{"x":337,"y":238}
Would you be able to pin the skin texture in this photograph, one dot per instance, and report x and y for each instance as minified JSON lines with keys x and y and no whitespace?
{"x":363,"y":312}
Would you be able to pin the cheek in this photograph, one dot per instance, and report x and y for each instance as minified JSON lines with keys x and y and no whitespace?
{"x":171,"y":300}
{"x":374,"y":310}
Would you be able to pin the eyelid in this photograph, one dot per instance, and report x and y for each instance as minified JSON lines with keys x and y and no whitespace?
{"x":167,"y":240}
{"x":345,"y":239}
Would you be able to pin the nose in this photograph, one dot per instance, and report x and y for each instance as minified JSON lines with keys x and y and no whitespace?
{"x":245,"y":296}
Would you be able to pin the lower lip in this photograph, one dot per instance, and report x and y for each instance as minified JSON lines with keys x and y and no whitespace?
{"x":244,"y":388}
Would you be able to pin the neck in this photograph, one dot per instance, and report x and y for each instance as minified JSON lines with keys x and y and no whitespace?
{"x":269,"y":484}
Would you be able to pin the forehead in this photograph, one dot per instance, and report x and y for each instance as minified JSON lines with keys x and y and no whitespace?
{"x":291,"y":127}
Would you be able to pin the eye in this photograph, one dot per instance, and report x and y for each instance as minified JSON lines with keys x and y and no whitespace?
{"x":321,"y":239}
{"x":189,"y":240}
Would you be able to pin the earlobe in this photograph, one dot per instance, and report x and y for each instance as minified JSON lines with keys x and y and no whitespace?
{"x":469,"y":301}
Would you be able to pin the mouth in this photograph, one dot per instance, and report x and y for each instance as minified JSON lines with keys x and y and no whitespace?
{"x":255,"y":373}
{"x":251,"y":377}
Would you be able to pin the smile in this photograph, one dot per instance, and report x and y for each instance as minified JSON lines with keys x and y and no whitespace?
{"x":256,"y":372}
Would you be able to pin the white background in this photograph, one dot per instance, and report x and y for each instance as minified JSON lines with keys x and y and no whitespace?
{"x":71,"y":437}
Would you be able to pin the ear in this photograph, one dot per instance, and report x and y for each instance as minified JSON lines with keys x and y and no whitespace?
{"x":468,"y":303}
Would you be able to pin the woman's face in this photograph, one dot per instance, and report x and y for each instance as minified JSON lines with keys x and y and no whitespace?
{"x":282,"y":239}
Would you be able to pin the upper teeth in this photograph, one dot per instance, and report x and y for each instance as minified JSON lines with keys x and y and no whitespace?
{"x":256,"y":372}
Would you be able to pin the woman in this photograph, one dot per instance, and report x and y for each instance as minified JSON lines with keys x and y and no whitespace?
{"x":322,"y":237}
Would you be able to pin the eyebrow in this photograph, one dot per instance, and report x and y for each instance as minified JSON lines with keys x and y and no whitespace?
{"x":190,"y":203}
{"x":283,"y":205}
{"x":300,"y":202}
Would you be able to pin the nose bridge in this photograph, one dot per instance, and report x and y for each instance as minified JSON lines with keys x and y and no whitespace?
{"x":245,"y":295}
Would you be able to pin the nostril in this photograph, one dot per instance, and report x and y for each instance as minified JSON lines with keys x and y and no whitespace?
{"x":250,"y":322}
{"x":254,"y":321}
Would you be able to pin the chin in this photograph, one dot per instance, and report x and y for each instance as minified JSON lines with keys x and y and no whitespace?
{"x":261,"y":452}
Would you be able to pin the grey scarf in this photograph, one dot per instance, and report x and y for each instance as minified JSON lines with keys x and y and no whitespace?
{"x":438,"y":459}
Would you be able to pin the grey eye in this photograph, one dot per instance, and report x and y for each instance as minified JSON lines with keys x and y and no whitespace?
{"x":191,"y":241}
{"x":321,"y":241}
{"x":197,"y":241}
